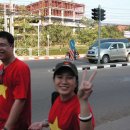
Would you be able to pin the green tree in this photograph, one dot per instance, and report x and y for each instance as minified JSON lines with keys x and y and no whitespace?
{"x":111,"y":32}
{"x":89,"y":23}
{"x":87,"y":35}
{"x":59,"y":34}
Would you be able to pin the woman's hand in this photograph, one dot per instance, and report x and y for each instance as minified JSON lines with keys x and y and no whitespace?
{"x":85,"y":88}
{"x":38,"y":125}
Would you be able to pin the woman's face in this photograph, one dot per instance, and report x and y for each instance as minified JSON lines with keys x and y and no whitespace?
{"x":65,"y":84}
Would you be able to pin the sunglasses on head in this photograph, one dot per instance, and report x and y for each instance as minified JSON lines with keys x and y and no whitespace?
{"x":1,"y":76}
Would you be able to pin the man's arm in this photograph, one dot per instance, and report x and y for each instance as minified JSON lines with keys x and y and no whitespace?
{"x":14,"y":113}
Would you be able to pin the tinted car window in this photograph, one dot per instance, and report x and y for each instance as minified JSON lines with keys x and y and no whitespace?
{"x":120,"y":45}
{"x":127,"y":45}
{"x":114,"y":46}
{"x":105,"y":45}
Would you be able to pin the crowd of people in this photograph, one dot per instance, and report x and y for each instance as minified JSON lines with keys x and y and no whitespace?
{"x":70,"y":108}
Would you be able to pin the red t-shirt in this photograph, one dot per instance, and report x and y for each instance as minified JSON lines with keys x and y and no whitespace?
{"x":64,"y":115}
{"x":16,"y":85}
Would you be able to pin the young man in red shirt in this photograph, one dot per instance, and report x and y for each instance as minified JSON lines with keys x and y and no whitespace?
{"x":15,"y":87}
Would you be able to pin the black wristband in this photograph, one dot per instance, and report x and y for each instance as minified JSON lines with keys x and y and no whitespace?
{"x":5,"y":128}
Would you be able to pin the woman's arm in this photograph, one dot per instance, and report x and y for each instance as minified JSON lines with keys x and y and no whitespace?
{"x":84,"y":92}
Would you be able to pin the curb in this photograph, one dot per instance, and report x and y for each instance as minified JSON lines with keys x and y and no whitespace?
{"x":44,"y":57}
{"x":105,"y":66}
{"x":100,"y":66}
{"x":40,"y":57}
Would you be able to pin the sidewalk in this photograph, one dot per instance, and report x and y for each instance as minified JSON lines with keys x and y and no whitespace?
{"x":121,"y":124}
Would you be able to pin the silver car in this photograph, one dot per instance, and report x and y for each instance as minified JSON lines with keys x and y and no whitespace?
{"x":109,"y":51}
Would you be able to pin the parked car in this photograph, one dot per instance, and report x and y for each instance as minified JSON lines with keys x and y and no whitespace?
{"x":109,"y":51}
{"x":95,"y":44}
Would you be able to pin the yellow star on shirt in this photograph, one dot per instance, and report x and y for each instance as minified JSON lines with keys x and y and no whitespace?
{"x":3,"y":90}
{"x":54,"y":126}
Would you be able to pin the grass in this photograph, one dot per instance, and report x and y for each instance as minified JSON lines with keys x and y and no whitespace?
{"x":53,"y":50}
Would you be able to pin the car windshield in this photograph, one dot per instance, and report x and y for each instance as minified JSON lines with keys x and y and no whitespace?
{"x":101,"y":42}
{"x":95,"y":44}
{"x":105,"y":45}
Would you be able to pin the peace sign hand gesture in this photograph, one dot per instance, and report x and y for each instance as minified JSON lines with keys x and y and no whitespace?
{"x":85,"y":89}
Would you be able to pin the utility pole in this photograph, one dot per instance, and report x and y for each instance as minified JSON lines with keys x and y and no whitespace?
{"x":39,"y":25}
{"x":98,"y":14}
{"x":99,"y":33}
{"x":11,"y":18}
{"x":48,"y":42}
{"x":5,"y":18}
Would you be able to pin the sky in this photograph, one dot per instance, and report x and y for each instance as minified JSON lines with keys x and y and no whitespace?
{"x":117,"y":11}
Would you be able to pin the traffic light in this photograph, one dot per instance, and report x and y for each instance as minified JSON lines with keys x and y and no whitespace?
{"x":98,"y":14}
{"x":95,"y":13}
{"x":102,"y":14}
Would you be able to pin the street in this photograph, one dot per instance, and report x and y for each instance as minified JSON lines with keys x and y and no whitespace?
{"x":109,"y":100}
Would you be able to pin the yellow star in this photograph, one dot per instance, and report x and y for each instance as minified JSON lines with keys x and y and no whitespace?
{"x":54,"y":126}
{"x":2,"y":90}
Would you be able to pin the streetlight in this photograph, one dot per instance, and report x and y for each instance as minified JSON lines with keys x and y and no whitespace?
{"x":39,"y":25}
{"x":38,"y":46}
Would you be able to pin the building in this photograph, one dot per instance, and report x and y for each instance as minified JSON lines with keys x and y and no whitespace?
{"x":65,"y":11}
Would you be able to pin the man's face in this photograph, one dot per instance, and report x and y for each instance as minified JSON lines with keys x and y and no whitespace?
{"x":5,"y":49}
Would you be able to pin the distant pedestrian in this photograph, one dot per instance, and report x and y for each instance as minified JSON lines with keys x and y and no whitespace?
{"x":67,"y":56}
{"x":76,"y":54}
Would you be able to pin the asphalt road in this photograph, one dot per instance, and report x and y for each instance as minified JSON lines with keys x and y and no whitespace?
{"x":110,"y":98}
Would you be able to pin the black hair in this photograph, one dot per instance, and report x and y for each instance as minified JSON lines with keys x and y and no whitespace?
{"x":54,"y":95}
{"x":8,"y":36}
